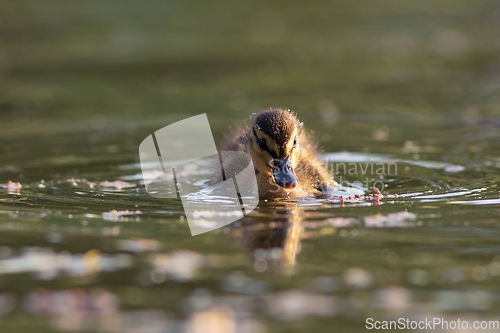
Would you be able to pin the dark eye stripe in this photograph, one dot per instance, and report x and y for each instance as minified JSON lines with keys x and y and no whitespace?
{"x":264,"y":146}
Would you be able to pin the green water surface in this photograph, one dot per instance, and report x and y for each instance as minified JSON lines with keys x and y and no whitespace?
{"x":416,"y":84}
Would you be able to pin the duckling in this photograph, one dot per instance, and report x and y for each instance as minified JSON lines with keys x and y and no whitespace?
{"x":284,"y":155}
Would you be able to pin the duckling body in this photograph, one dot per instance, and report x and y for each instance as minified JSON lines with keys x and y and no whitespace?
{"x":284,"y":156}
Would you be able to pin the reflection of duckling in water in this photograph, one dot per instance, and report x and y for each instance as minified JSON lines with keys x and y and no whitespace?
{"x":283,"y":154}
{"x":282,"y":234}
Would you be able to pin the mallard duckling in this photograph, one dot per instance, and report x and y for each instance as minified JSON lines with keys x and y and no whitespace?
{"x":284,"y":155}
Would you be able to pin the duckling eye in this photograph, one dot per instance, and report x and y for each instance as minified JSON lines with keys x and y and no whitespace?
{"x":262,"y":144}
{"x":295,"y":142}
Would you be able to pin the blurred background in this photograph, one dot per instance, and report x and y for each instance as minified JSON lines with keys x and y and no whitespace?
{"x":97,"y":65}
{"x":83,"y":83}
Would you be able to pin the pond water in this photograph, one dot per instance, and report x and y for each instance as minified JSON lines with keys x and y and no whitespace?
{"x":402,"y":97}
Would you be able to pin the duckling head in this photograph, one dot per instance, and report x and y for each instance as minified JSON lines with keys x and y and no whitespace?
{"x":274,"y":146}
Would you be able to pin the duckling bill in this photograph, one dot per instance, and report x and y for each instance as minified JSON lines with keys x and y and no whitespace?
{"x":283,"y":153}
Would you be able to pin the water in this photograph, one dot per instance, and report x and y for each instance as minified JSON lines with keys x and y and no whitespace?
{"x":401,"y":96}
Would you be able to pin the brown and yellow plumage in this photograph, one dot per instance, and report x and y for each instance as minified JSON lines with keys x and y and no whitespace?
{"x":284,"y":155}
